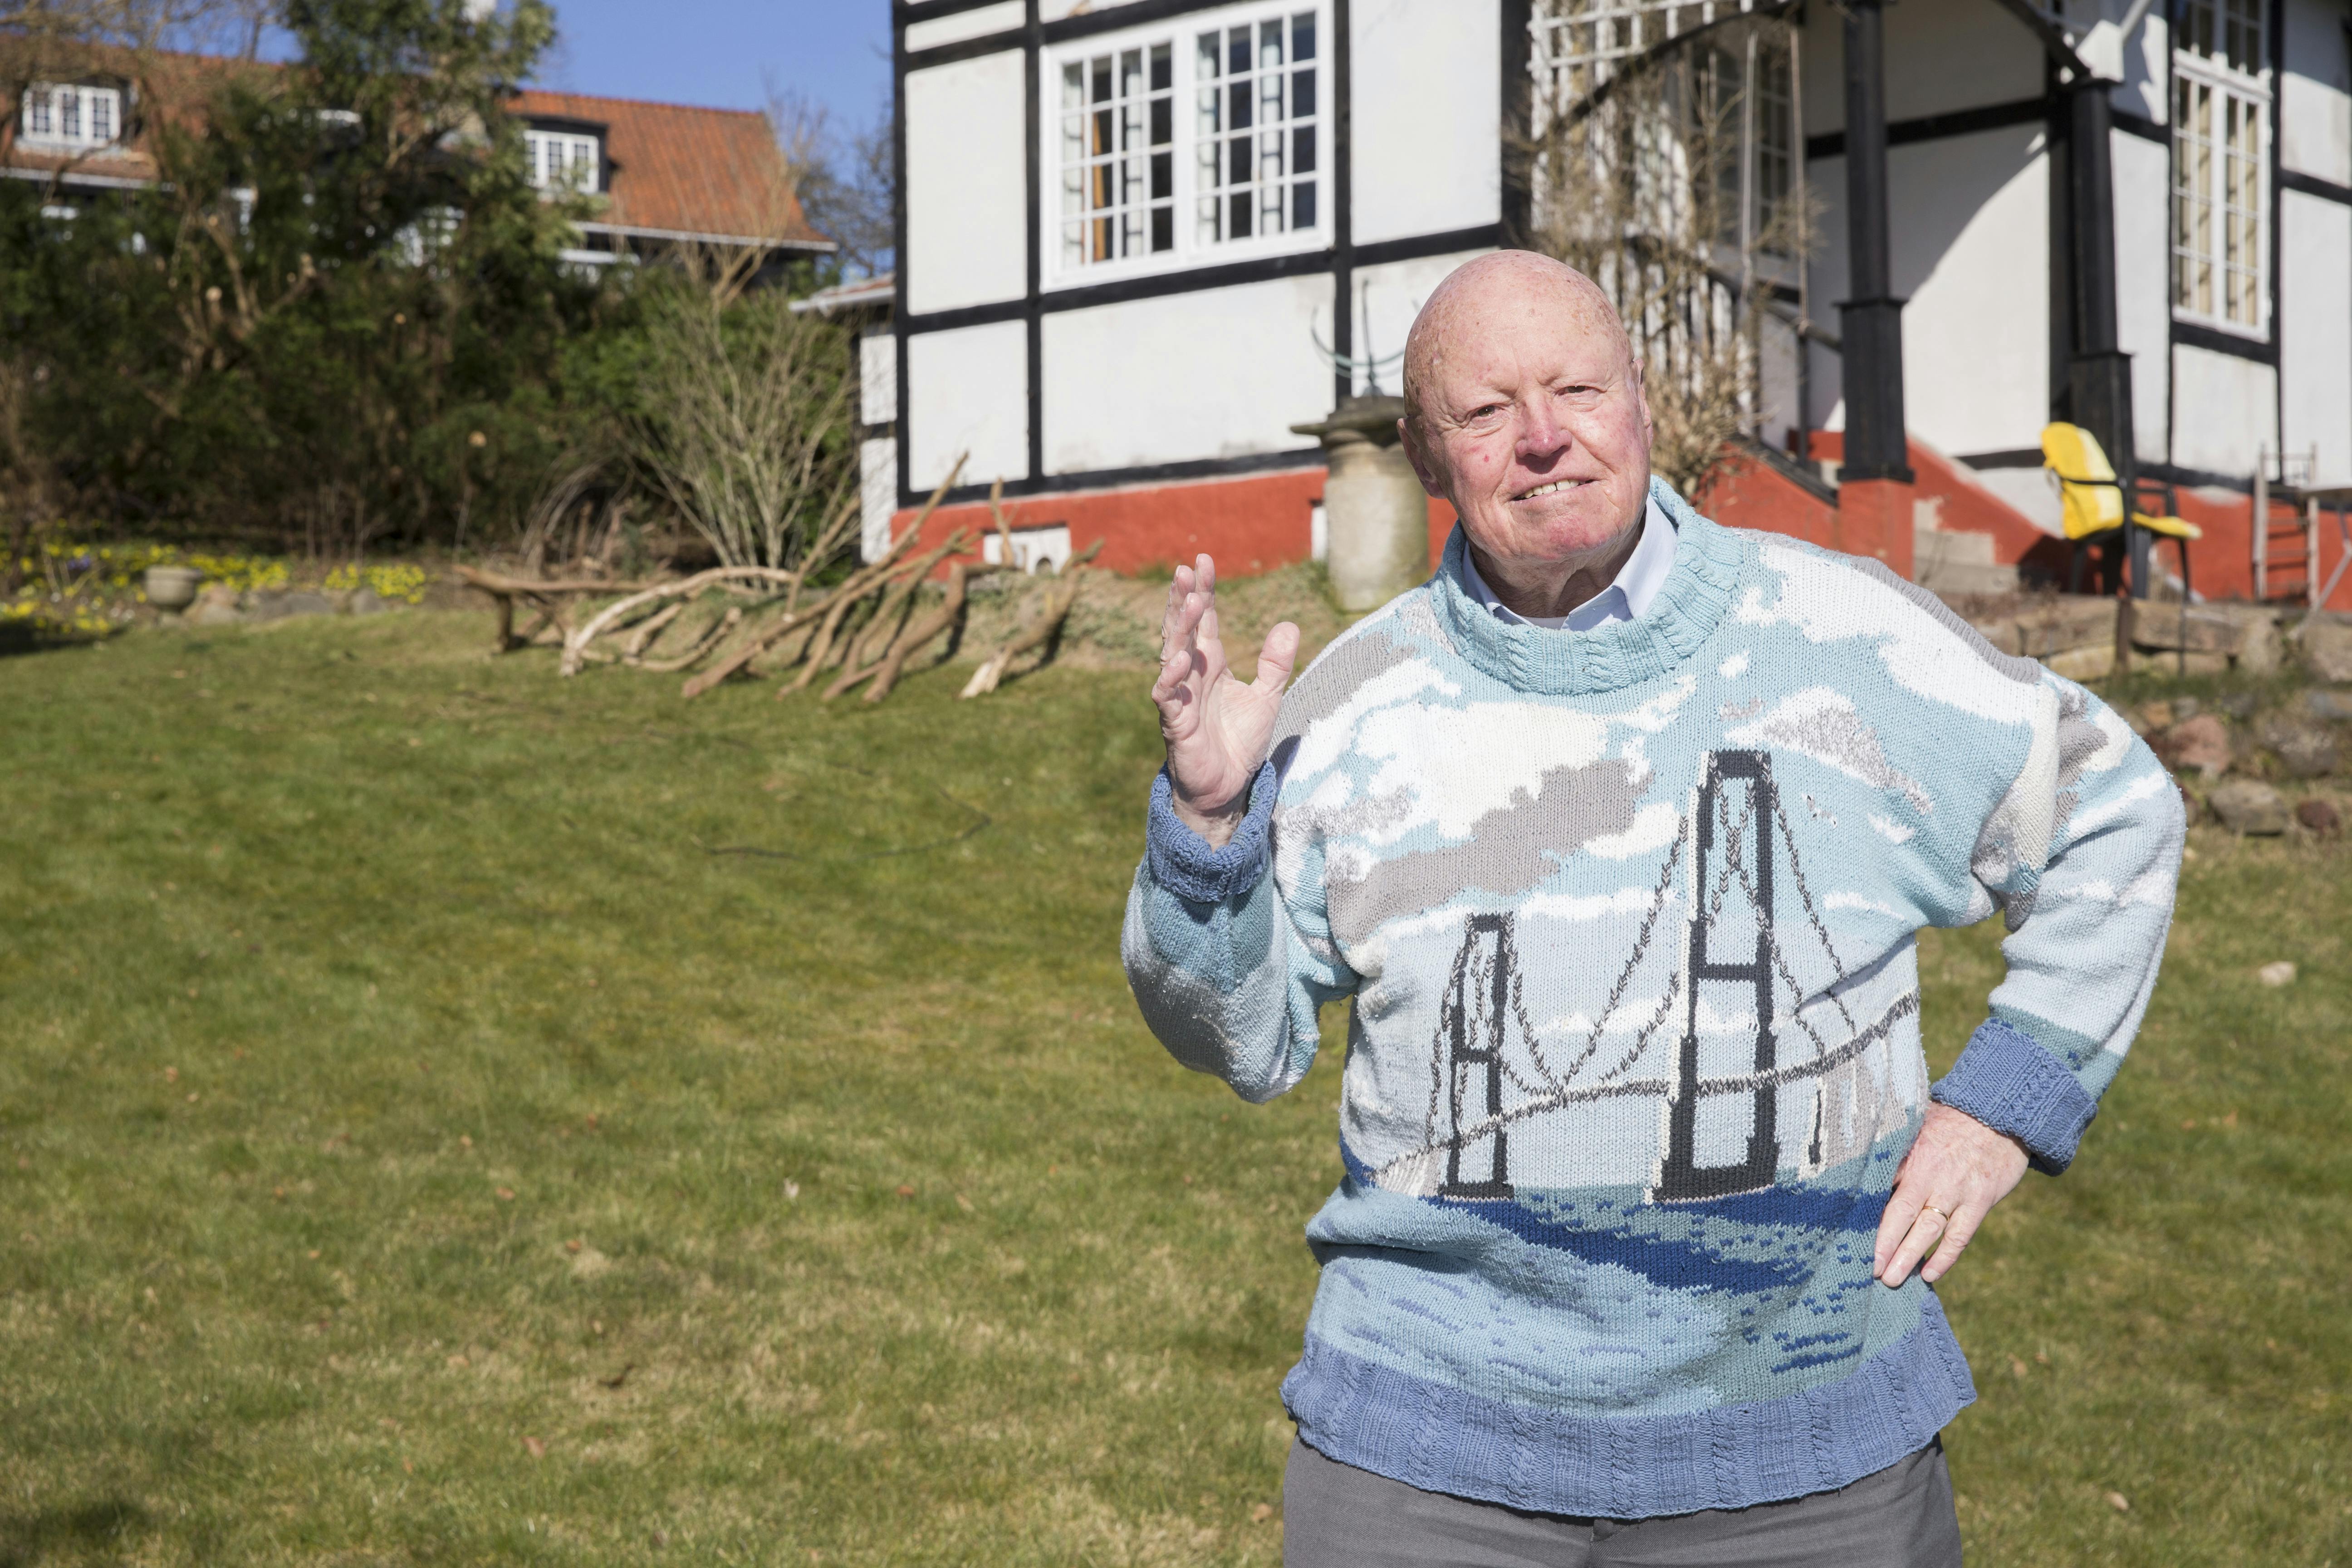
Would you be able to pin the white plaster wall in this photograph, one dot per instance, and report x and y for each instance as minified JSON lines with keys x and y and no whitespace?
{"x":967,"y":196}
{"x":2143,"y":175}
{"x":877,"y":475}
{"x":1969,"y":217}
{"x":2314,"y":92}
{"x":1001,"y":18}
{"x":1223,"y":373}
{"x":1428,"y":116}
{"x":1941,"y":56}
{"x":1393,"y":294}
{"x":2224,"y":411}
{"x":2146,"y":66}
{"x":1776,"y":380}
{"x":2315,"y":332}
{"x":877,"y":378}
{"x":967,"y":390}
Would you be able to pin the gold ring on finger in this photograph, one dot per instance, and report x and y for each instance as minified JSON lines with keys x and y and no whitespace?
{"x":1941,"y":1217}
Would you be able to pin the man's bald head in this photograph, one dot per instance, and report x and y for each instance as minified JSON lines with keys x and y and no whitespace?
{"x":1489,"y":294}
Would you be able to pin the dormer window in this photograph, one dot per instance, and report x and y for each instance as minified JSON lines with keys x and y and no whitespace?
{"x":68,"y":115}
{"x":564,"y":160}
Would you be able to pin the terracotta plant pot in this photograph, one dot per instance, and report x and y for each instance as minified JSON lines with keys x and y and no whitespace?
{"x":172,"y":588}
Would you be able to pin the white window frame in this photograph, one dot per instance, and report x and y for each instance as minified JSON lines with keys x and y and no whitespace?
{"x":574,"y":143}
{"x":47,"y":106}
{"x":1181,"y":35}
{"x":2225,"y":84}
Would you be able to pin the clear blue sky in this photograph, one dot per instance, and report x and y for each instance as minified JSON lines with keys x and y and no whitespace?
{"x":718,"y":52}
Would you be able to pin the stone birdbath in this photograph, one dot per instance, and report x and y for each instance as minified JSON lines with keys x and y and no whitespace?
{"x":1376,"y":516}
{"x":172,"y":589}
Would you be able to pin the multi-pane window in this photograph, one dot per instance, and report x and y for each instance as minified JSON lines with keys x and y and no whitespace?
{"x":68,"y":115}
{"x":562,"y":159}
{"x":2221,"y":163}
{"x":1181,"y":143}
{"x":1118,"y":154}
{"x":1254,"y":122}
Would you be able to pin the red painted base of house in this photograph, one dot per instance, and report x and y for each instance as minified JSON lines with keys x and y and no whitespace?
{"x":1246,"y":525}
{"x":1260,"y":521}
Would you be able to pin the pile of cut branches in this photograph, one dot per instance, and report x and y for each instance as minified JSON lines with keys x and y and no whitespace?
{"x":861,"y":631}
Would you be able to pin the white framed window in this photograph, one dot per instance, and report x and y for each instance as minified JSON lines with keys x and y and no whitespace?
{"x":564,"y":160}
{"x":69,"y":115}
{"x":1198,"y":139}
{"x":2220,"y":166}
{"x":1118,"y":154}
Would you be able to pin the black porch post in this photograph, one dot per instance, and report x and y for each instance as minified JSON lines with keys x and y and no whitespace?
{"x":2099,"y":387}
{"x":1871,"y":318}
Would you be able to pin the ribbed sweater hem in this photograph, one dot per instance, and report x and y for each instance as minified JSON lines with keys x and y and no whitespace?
{"x":1540,"y":1460}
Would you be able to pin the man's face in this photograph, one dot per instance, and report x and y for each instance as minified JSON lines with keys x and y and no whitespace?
{"x":1533,"y":424}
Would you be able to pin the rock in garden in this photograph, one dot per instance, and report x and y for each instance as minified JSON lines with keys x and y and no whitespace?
{"x":2319,"y":816}
{"x":215,"y":607}
{"x":367,"y":602}
{"x":2309,"y":751}
{"x":2250,"y":808}
{"x":2202,"y":742}
{"x":2327,"y":648}
{"x":2329,"y":704}
{"x":278,"y":606}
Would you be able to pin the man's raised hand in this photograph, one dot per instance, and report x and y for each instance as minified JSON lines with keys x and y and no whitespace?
{"x":1217,"y":729}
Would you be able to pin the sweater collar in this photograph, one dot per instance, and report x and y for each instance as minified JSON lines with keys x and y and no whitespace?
{"x":1698,"y":591}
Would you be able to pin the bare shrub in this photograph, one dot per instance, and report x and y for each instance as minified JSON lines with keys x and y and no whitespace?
{"x":744,"y":424}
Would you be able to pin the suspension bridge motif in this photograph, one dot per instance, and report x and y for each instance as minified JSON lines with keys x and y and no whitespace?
{"x":1490,"y":1070}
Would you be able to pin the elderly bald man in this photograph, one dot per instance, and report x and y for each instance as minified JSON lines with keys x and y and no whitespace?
{"x":1618,"y":833}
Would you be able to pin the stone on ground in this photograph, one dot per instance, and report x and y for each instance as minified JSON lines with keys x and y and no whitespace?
{"x":2327,"y":648}
{"x":2309,"y":751}
{"x":2279,"y":973}
{"x":2202,"y":742}
{"x":2249,"y":808}
{"x":2319,"y":815}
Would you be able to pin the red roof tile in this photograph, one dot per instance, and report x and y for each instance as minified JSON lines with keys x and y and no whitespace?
{"x":676,"y":170}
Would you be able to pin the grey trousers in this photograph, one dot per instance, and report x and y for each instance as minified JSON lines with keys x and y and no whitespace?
{"x":1336,"y":1516}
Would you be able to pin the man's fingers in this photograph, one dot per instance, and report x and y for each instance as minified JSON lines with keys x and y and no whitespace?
{"x":1903,"y":1207}
{"x":1953,"y":1242}
{"x":1276,"y":658}
{"x":1926,"y":1230}
{"x":1169,"y":688}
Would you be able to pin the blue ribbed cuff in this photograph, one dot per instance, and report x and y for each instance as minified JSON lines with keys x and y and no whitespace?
{"x":1181,"y":859}
{"x":2014,"y":1084}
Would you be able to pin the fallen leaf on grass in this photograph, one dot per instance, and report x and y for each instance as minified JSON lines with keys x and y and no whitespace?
{"x":2279,"y":973}
{"x":506,"y":1194}
{"x":1261,"y":1513}
{"x":171,"y":1075}
{"x":791,"y":1189}
{"x":571,"y":1245}
{"x":906,"y":1191}
{"x":2016,"y":1368}
{"x":619,"y":1377}
{"x":538,"y":1449}
{"x":2119,"y":1502}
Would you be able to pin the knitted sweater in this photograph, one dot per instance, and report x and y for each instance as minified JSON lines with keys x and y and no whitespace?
{"x":1629,"y":920}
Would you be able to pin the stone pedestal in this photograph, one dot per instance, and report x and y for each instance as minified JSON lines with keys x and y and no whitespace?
{"x":1376,"y":515}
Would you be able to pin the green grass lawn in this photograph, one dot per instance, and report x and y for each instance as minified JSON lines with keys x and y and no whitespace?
{"x":420,"y":1146}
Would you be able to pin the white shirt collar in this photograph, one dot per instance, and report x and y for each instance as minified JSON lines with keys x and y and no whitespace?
{"x":1627,"y":598}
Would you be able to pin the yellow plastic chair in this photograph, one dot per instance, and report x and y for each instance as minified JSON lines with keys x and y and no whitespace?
{"x":2094,"y":500}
